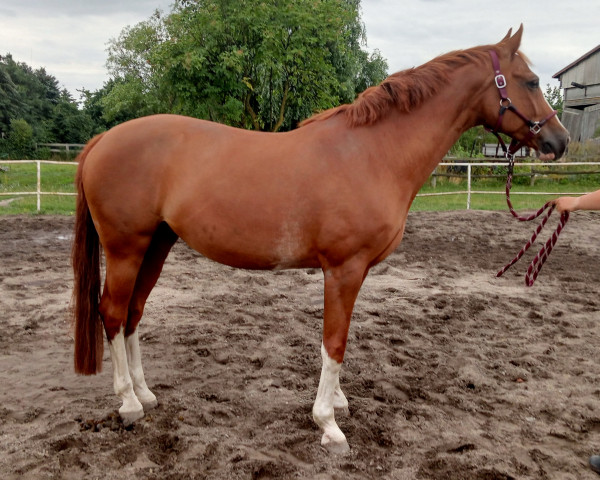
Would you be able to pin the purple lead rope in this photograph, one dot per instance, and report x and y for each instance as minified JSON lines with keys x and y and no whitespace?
{"x":536,"y":264}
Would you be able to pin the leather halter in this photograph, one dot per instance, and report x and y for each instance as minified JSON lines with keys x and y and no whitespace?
{"x":534,"y":128}
{"x":506,"y":104}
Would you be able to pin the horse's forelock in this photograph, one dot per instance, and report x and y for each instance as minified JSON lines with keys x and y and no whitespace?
{"x":524,"y":57}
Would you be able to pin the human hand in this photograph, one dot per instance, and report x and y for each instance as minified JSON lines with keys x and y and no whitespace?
{"x":566,"y":204}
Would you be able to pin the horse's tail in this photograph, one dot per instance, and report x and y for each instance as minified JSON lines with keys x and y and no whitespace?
{"x":85,"y":258}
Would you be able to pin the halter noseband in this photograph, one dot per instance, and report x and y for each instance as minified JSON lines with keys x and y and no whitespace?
{"x":506,"y":104}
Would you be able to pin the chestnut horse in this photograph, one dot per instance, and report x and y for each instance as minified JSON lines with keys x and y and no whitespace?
{"x":333,"y":194}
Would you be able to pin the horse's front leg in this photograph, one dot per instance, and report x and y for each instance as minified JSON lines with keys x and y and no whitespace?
{"x":340,"y":402}
{"x":333,"y":438}
{"x":342,"y":284}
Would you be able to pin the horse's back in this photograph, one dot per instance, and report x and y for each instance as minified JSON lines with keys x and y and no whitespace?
{"x":222,"y":189}
{"x":244,"y":198}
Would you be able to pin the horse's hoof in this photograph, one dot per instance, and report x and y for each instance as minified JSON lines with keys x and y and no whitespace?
{"x":150,"y":404}
{"x":147,"y":399}
{"x":335,"y":447}
{"x":129,"y":417}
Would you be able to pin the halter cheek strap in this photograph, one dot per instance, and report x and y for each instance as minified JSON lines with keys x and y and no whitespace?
{"x":506,"y":104}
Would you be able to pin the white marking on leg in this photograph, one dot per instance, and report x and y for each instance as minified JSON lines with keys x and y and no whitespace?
{"x":132,"y":409}
{"x":323,"y":410}
{"x":340,"y":402}
{"x":134,"y":360}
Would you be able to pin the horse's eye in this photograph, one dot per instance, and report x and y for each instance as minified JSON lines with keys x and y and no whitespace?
{"x":533,"y":84}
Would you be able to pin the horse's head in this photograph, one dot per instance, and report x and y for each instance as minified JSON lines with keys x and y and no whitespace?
{"x":515,"y":105}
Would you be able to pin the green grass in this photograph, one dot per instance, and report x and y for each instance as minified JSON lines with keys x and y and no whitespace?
{"x":59,"y":178}
{"x":497,"y":201}
{"x":50,"y":205}
{"x":22,"y":177}
{"x":560,"y":182}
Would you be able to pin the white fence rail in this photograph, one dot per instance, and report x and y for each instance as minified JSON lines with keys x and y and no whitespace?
{"x":469,"y":191}
{"x":63,"y":147}
{"x":38,"y":192}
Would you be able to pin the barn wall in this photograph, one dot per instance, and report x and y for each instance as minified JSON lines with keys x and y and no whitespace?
{"x":581,"y":124}
{"x":587,"y":72}
{"x":582,"y":96}
{"x":571,"y":119}
{"x":590,"y":121}
{"x":581,"y":115}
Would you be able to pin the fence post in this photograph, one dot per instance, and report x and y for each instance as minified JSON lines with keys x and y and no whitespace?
{"x":469,"y":186}
{"x":39,"y":185}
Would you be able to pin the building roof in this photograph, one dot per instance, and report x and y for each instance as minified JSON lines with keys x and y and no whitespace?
{"x":578,"y":61}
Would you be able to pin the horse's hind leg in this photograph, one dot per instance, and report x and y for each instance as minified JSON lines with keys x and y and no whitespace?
{"x":134,"y":361}
{"x":122,"y":269}
{"x":162,"y":241}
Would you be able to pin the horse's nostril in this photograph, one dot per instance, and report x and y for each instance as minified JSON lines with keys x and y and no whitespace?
{"x":555,"y":144}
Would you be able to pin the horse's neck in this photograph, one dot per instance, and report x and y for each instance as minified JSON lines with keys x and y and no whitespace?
{"x":417,"y":141}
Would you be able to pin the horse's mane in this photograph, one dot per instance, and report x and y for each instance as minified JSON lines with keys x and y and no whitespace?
{"x":404,"y":90}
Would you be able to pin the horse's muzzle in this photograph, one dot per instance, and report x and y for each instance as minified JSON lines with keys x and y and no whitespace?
{"x":553,"y":145}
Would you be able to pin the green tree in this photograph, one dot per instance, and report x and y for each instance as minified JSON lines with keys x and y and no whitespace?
{"x":262,"y":64}
{"x":134,"y":89}
{"x":470,"y":143}
{"x":34,"y":97}
{"x":554,"y":97}
{"x":20,"y":139}
{"x":92,"y":103}
{"x":10,"y":100}
{"x":69,"y":123}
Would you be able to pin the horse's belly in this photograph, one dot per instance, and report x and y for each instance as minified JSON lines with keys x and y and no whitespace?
{"x":252,"y":257}
{"x":253,"y":247}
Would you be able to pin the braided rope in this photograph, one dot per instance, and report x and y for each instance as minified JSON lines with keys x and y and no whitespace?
{"x":536,"y":264}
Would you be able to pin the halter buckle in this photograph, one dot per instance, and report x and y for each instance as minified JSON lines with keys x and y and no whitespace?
{"x":500,"y":81}
{"x":535,"y":128}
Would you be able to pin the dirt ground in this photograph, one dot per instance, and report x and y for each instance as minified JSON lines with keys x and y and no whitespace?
{"x":450,"y":372}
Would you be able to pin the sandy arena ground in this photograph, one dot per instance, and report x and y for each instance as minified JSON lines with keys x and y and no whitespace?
{"x":450,"y":372}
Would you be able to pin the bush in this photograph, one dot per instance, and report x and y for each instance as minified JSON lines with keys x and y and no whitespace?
{"x":588,"y":151}
{"x":20,"y":140}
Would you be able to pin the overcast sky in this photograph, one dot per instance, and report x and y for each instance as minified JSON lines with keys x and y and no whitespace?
{"x":69,"y":37}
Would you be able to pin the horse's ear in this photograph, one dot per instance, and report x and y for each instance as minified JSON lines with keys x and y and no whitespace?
{"x":507,"y":36}
{"x":513,"y":43}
